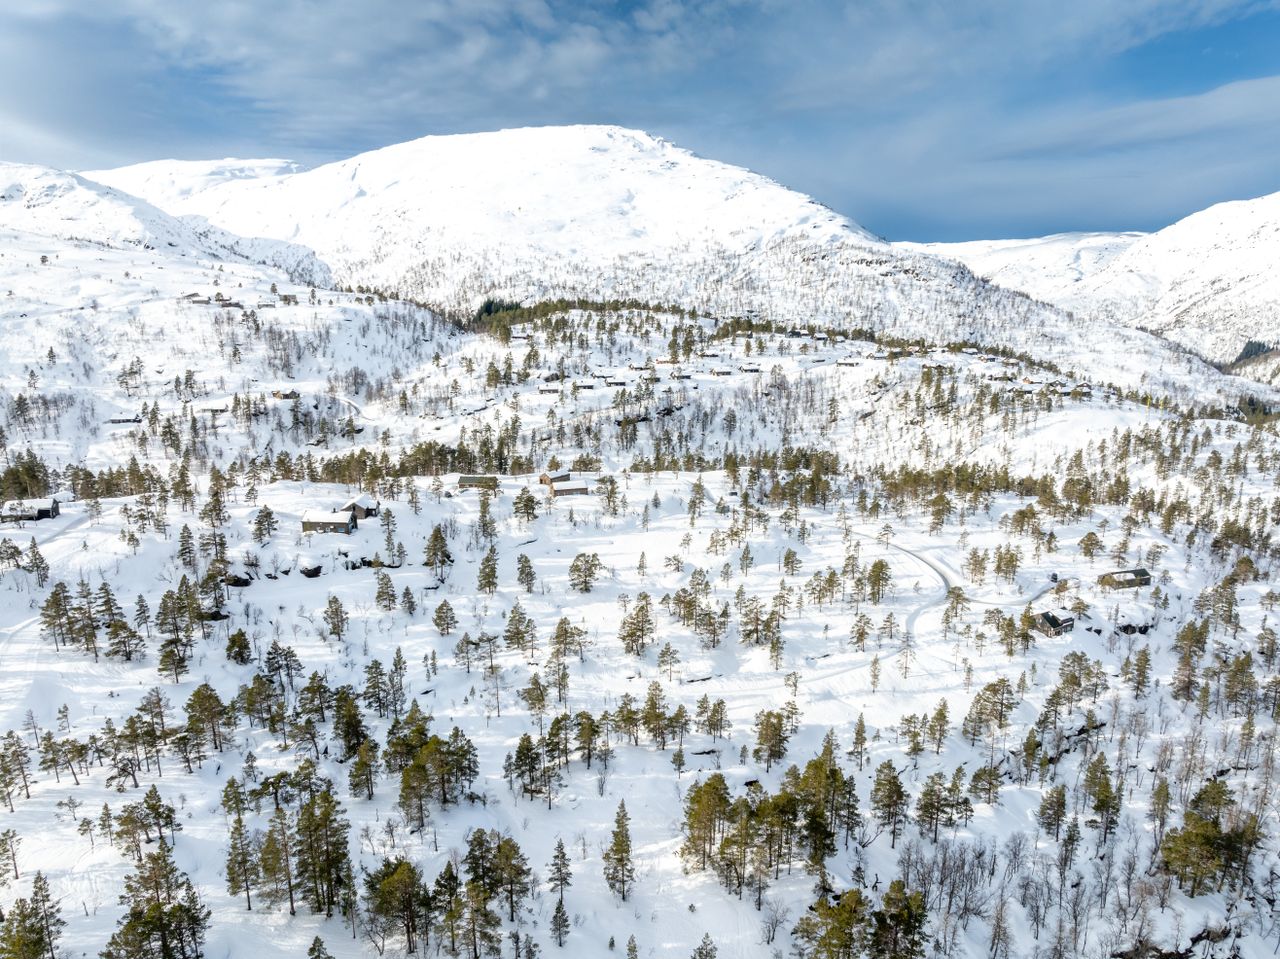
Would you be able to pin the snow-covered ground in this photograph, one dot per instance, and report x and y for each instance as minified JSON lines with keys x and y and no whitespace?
{"x":155,"y":364}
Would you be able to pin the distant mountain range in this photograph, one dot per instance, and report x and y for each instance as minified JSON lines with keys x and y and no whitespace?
{"x":1209,"y":282}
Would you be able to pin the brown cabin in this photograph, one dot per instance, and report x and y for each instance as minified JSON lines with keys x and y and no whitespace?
{"x":322,"y":521}
{"x":363,"y":506}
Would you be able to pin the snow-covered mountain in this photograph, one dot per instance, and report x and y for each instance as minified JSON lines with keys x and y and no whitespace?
{"x":599,"y":212}
{"x":65,"y":207}
{"x":1208,"y":281}
{"x":48,"y":202}
{"x":460,"y":216}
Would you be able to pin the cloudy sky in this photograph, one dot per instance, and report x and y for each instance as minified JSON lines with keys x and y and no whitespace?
{"x":922,"y":119}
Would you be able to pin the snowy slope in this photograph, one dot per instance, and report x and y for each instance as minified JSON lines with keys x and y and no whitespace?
{"x":164,"y":182}
{"x":52,"y":203}
{"x":1049,"y":268}
{"x":1207,"y":281}
{"x":63,"y":206}
{"x":139,"y":348}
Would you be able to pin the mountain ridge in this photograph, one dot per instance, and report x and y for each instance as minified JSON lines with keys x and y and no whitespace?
{"x":605,"y":213}
{"x":1205,"y":281}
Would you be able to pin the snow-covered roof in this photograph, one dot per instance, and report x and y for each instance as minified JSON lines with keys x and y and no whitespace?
{"x":28,"y":504}
{"x":324,"y":516}
{"x":364,"y":501}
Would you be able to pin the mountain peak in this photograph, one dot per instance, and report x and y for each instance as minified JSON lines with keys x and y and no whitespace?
{"x":591,"y":196}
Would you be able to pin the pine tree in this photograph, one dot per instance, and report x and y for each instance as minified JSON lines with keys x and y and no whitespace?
{"x":277,"y":860}
{"x":771,"y":738}
{"x":164,"y":916}
{"x":525,"y":505}
{"x":22,"y":933}
{"x":560,"y":923}
{"x":525,"y":574}
{"x":559,"y":873}
{"x":243,"y":873}
{"x":385,"y":595}
{"x":619,"y":870}
{"x":931,"y":804}
{"x":898,"y":926}
{"x":395,"y":893}
{"x":264,"y":525}
{"x":583,"y":571}
{"x":706,"y":949}
{"x":487,"y":576}
{"x":514,"y":878}
{"x":437,"y":554}
{"x":335,"y":617}
{"x":365,"y":768}
{"x":317,"y":950}
{"x":444,"y":619}
{"x":323,"y":857}
{"x":889,"y":800}
{"x":238,"y":649}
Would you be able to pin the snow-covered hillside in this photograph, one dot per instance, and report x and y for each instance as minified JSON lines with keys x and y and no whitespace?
{"x":1049,"y":268}
{"x":1208,"y":281}
{"x":331,"y":626}
{"x":66,"y":207}
{"x":602,"y":213}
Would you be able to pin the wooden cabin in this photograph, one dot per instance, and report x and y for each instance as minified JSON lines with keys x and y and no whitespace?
{"x":322,"y":521}
{"x":28,"y":510}
{"x":363,"y":506}
{"x":478,"y":482}
{"x":1054,"y":622}
{"x":1125,"y":579}
{"x":570,"y":488}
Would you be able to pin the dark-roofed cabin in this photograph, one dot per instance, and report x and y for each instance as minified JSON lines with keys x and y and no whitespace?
{"x":1126,"y":579}
{"x":1055,"y":623}
{"x":321,"y":521}
{"x":550,"y":479}
{"x":478,"y":482}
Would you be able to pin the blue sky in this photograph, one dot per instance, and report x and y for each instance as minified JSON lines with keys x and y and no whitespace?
{"x":921,"y":119}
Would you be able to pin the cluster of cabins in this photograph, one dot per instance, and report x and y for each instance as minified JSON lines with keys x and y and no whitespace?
{"x":346,"y":518}
{"x":557,"y":484}
{"x":219,"y":302}
{"x":1057,"y":622}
